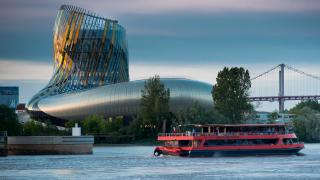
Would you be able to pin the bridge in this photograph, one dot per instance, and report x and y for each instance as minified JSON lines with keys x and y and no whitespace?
{"x":301,"y":85}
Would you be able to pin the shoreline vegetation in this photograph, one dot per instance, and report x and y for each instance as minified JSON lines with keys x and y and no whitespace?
{"x":155,"y":116}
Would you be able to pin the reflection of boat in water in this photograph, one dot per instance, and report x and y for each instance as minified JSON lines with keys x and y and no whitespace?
{"x":229,"y":140}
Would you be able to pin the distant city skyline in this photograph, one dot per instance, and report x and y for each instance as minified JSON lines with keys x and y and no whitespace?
{"x":193,"y":39}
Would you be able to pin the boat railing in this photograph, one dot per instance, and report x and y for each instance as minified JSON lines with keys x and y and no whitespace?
{"x":220,"y":133}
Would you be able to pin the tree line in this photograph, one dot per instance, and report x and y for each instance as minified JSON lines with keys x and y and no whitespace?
{"x":231,"y":104}
{"x":154,"y":115}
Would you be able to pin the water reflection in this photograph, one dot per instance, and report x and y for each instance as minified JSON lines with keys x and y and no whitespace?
{"x":127,"y":162}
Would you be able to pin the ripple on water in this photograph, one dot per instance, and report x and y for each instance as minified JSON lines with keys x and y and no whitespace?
{"x":128,"y":162}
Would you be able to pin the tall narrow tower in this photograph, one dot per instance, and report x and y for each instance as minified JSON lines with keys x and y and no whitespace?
{"x":281,"y":88}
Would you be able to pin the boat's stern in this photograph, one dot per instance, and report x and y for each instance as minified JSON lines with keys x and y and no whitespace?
{"x":158,"y":151}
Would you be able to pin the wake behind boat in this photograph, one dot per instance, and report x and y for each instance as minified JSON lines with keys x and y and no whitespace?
{"x":229,"y":140}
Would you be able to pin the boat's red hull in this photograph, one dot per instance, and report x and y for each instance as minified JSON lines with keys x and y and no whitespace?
{"x":231,"y":150}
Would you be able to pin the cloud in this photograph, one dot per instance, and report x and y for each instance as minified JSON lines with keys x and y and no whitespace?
{"x":200,"y":73}
{"x":207,"y":72}
{"x":24,"y":70}
{"x":114,"y":8}
{"x":200,"y":6}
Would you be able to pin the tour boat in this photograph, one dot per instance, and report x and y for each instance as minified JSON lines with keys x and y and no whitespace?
{"x":229,"y":140}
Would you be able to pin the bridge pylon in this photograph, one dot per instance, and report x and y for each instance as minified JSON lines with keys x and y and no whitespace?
{"x":281,"y":97}
{"x":281,"y":87}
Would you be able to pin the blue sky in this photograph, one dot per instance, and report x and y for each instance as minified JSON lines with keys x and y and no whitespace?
{"x":193,"y":39}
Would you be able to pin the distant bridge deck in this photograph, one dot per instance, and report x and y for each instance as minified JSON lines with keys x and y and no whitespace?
{"x":276,"y":98}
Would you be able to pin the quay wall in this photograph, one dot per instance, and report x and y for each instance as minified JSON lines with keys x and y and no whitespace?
{"x":3,"y":144}
{"x":50,"y":145}
{"x":3,"y":149}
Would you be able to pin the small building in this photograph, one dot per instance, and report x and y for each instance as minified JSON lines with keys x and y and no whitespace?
{"x":260,"y":117}
{"x":22,"y":113}
{"x":284,"y":118}
{"x":9,"y":96}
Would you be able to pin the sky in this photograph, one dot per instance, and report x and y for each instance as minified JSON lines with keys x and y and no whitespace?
{"x":181,"y":38}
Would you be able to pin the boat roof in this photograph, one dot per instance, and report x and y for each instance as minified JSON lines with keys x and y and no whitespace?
{"x":235,"y":125}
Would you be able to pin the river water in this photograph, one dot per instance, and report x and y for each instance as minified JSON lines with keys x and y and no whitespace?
{"x":137,"y":162}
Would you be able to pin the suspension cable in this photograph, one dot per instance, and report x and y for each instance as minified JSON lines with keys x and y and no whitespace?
{"x":301,"y":72}
{"x":265,"y":72}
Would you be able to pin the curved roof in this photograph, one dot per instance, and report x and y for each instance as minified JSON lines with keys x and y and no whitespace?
{"x":123,"y":99}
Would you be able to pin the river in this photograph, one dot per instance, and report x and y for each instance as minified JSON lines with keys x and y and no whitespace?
{"x":138,"y":162}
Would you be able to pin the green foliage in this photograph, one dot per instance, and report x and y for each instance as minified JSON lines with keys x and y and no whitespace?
{"x":97,"y":125}
{"x":34,"y":128}
{"x":114,"y":125}
{"x":273,"y":116}
{"x":71,"y":123}
{"x":307,"y":124}
{"x":9,"y":121}
{"x":231,"y":92}
{"x":307,"y":120}
{"x":308,"y":103}
{"x":134,"y":128}
{"x":154,"y":107}
{"x":197,"y":114}
{"x":94,"y":125}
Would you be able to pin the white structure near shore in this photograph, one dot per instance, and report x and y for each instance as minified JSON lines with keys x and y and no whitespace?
{"x":76,"y":131}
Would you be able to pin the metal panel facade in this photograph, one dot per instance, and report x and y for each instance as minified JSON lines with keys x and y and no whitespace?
{"x":91,"y":75}
{"x":112,"y":100}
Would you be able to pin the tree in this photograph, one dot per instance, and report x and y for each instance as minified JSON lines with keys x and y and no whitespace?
{"x":94,"y":125}
{"x":9,"y":121}
{"x":307,"y":124}
{"x":34,"y":128}
{"x":71,"y":123}
{"x":154,"y":106}
{"x":273,"y":116}
{"x":231,"y":92}
{"x":313,"y":104}
{"x":114,"y":125}
{"x":307,"y":121}
{"x":197,"y":114}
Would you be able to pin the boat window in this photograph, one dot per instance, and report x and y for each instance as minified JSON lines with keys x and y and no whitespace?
{"x":290,"y":141}
{"x":171,"y":143}
{"x":237,"y":142}
{"x":205,"y":129}
{"x":196,"y":143}
{"x":184,"y":143}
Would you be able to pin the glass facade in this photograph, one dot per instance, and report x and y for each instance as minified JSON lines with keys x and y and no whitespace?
{"x":9,"y":96}
{"x":89,"y":51}
{"x":91,"y":74}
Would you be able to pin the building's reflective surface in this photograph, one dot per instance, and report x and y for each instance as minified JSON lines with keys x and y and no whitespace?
{"x":122,"y":99}
{"x":91,"y":73}
{"x":89,"y":51}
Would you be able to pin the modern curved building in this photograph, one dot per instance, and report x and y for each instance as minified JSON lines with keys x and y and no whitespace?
{"x":91,"y":73}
